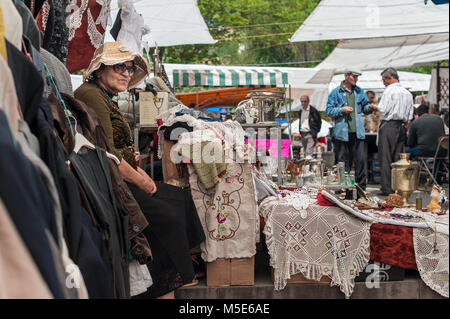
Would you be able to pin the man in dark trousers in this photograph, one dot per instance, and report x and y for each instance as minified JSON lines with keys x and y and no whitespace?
{"x":309,"y":125}
{"x":396,"y":111}
{"x":424,"y":133}
{"x":345,"y":105}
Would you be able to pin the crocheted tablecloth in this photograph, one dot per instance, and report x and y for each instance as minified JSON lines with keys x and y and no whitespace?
{"x":431,"y":248}
{"x":316,"y":241}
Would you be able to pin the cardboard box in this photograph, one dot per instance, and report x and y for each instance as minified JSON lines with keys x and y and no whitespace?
{"x":231,"y":272}
{"x":300,"y":279}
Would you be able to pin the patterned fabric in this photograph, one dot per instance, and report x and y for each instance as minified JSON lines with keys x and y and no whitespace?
{"x":324,"y":242}
{"x":88,"y":20}
{"x":227,"y":213}
{"x":392,"y":245}
{"x":432,"y":259}
{"x":52,"y":20}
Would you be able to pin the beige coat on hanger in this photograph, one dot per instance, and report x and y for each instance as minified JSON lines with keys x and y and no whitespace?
{"x":13,"y":23}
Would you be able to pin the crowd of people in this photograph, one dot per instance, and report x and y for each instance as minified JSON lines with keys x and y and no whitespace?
{"x":400,"y":125}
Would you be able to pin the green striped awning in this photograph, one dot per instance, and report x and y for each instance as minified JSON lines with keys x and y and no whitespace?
{"x":229,"y":77}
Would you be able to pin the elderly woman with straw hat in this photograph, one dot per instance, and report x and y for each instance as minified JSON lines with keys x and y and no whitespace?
{"x":113,"y":69}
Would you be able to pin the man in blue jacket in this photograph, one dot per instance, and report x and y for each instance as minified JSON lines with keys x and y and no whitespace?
{"x":345,"y":105}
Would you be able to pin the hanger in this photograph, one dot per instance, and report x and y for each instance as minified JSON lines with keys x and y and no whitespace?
{"x":82,"y":141}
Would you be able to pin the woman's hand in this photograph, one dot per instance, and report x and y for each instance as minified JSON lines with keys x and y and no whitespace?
{"x":146,"y":184}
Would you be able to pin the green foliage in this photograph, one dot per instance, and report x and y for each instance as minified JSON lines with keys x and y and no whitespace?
{"x":256,"y":32}
{"x":252,"y":32}
{"x":425,"y":69}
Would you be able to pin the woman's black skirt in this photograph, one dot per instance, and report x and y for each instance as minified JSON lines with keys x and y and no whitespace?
{"x":174,"y":229}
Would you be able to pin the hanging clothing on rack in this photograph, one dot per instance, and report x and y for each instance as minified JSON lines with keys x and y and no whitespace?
{"x":34,"y":5}
{"x":86,"y":33}
{"x":30,"y":148}
{"x":132,"y":26}
{"x":91,"y":169}
{"x":29,"y":27}
{"x":17,"y":267}
{"x":89,"y":125}
{"x":28,"y":82}
{"x":24,"y":193}
{"x":60,"y":74}
{"x":13,"y":23}
{"x":8,"y":97}
{"x":52,"y":21}
{"x":2,"y":36}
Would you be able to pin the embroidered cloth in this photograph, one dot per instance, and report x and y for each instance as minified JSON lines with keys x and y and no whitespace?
{"x":324,"y":241}
{"x":227,"y":213}
{"x":88,"y":20}
{"x":431,"y":249}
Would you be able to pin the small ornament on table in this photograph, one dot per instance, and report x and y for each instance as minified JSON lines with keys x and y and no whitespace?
{"x":436,"y":197}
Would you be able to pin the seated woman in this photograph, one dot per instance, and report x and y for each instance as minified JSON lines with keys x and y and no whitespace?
{"x":174,"y":226}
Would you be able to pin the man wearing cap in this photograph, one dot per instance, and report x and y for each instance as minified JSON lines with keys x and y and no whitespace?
{"x":345,"y":105}
{"x":396,"y":111}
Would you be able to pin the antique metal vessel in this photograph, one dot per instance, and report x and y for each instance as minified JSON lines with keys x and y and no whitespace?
{"x":268,"y":104}
{"x":405,"y":177}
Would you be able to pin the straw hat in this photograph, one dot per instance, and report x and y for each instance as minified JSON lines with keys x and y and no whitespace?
{"x":111,"y":53}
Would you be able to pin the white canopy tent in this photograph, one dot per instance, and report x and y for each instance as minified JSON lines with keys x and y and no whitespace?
{"x":371,"y":80}
{"x":397,"y":52}
{"x":376,"y":34}
{"x":359,"y":19}
{"x":171,"y":22}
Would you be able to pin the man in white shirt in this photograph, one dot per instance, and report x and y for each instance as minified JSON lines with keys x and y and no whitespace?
{"x":396,"y":111}
{"x":310,"y":124}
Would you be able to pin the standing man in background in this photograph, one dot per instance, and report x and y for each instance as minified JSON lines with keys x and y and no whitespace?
{"x":345,"y":105}
{"x":310,"y":124}
{"x":396,"y":111}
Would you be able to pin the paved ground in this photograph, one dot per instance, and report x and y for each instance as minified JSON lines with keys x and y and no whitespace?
{"x":411,"y":287}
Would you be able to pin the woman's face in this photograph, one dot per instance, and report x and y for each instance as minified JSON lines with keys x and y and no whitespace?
{"x":115,"y":79}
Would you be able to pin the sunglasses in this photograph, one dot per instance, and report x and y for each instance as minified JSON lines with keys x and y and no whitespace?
{"x":122,"y":67}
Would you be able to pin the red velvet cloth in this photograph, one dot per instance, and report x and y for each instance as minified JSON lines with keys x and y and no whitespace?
{"x":81,"y":49}
{"x":392,"y":245}
{"x":322,"y":201}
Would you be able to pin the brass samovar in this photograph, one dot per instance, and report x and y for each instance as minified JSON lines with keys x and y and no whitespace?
{"x":405,"y":177}
{"x":268,"y":104}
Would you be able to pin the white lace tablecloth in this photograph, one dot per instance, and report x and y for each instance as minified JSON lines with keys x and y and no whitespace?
{"x":431,"y":249}
{"x":314,"y":240}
